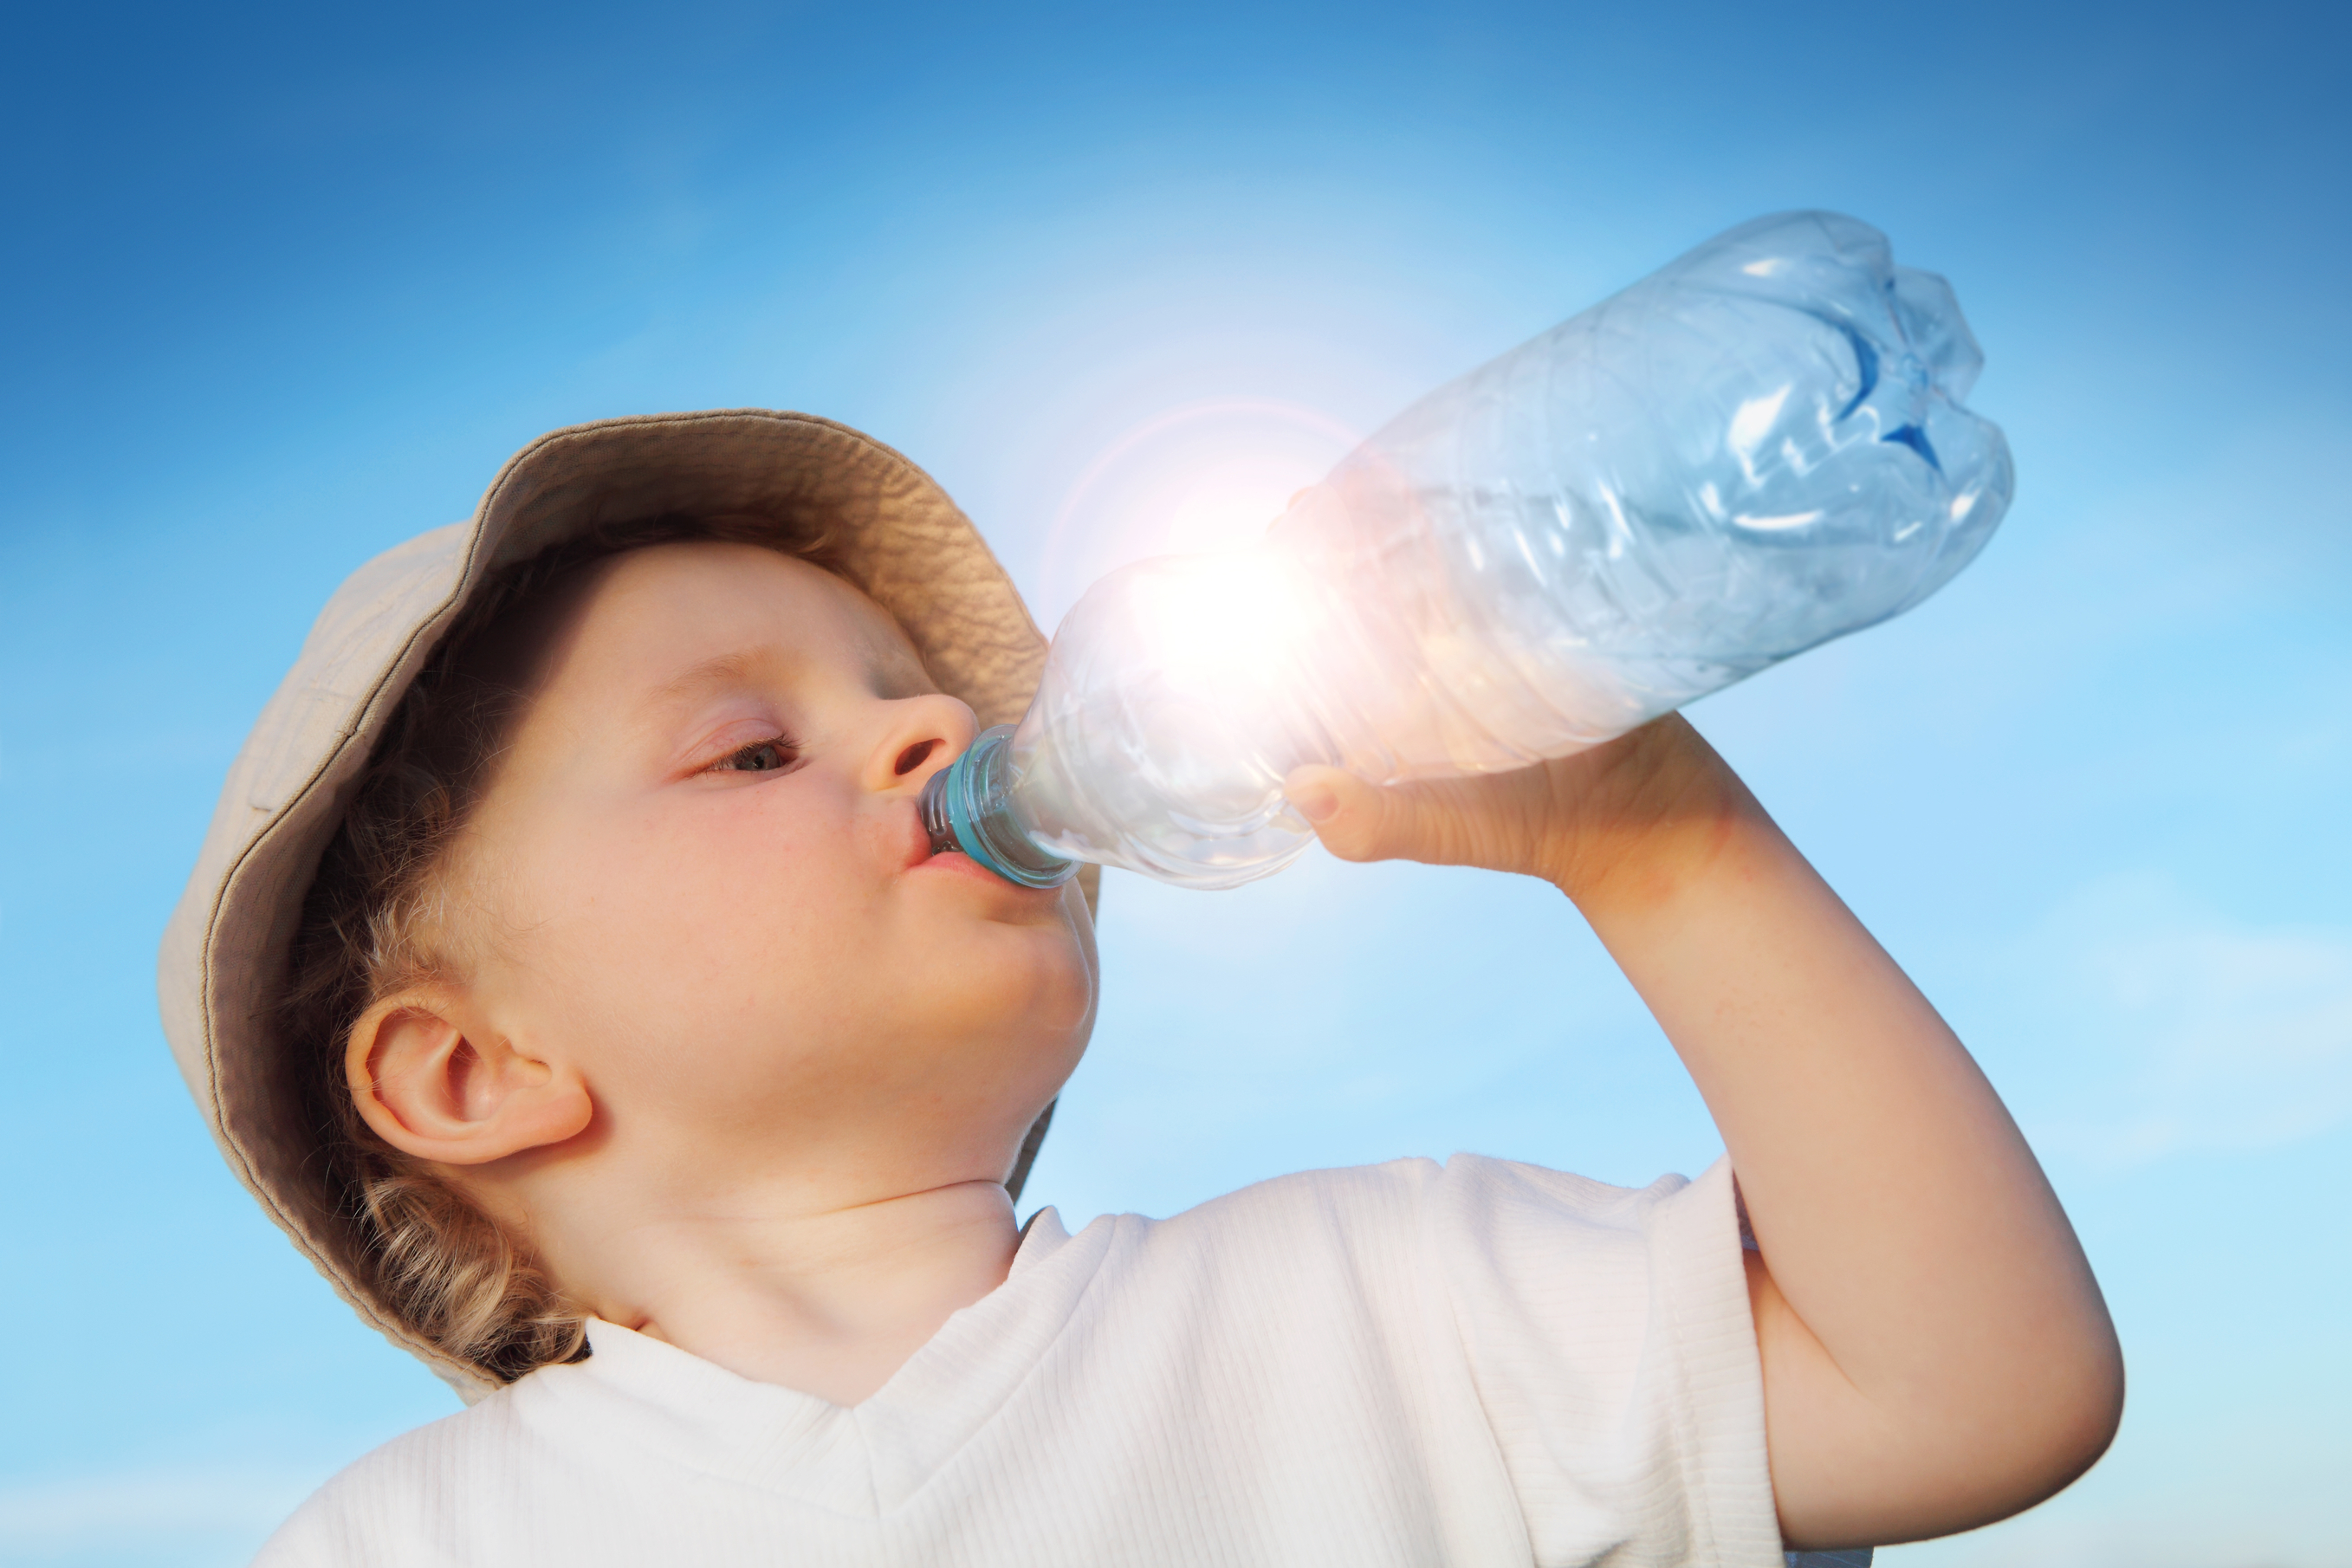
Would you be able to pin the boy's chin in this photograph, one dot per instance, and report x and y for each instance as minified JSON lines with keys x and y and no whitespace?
{"x":1024,"y":992}
{"x":1049,"y":997}
{"x":1040,"y":945}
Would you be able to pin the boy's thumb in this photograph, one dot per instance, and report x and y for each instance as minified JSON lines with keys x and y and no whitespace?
{"x":1356,"y":821}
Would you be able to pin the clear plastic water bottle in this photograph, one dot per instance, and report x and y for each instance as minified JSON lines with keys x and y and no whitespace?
{"x":1758,"y":448}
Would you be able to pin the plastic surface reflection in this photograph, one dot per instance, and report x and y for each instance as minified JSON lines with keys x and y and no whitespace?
{"x":1755,"y":449}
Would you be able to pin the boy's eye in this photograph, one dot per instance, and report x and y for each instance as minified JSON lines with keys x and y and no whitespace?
{"x":759,"y":757}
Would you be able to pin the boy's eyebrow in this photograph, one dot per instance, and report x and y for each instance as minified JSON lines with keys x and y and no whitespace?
{"x":718,"y":670}
{"x":743,"y":665}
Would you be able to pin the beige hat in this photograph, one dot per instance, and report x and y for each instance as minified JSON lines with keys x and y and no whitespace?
{"x":895,"y":533}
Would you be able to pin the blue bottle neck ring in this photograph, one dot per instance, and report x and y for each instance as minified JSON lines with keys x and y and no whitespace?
{"x":967,"y":806}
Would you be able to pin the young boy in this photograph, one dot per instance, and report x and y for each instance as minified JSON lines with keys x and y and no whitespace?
{"x":568,"y":973}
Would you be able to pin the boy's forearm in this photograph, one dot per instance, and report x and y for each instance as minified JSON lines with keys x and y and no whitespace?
{"x":1937,"y":1352}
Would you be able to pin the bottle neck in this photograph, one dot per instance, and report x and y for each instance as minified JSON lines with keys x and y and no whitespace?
{"x":967,"y":808}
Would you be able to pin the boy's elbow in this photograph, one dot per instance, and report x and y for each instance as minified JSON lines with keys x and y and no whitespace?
{"x":2082,"y":1421}
{"x":1985,"y":1427}
{"x":2052,"y":1423}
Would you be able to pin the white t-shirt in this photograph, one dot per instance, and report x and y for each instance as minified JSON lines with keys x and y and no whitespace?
{"x":1478,"y":1363}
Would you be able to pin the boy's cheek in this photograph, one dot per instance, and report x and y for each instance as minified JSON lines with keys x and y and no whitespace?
{"x":661,"y":946}
{"x":706,"y":872}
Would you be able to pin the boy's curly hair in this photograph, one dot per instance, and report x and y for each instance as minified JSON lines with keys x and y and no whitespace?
{"x":376,"y":919}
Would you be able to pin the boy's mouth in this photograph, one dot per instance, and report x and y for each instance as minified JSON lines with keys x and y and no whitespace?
{"x":924,"y":858}
{"x":925,"y":848}
{"x":931,"y":815}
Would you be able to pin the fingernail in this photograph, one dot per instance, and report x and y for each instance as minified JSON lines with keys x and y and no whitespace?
{"x":1315,"y":802}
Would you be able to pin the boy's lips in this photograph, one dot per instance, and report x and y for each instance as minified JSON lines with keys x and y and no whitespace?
{"x":954,"y":862}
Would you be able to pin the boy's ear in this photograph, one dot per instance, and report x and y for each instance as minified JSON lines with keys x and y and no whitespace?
{"x":435,"y":1083}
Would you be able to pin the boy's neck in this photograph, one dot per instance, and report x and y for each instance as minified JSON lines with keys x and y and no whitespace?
{"x":830,"y":1302}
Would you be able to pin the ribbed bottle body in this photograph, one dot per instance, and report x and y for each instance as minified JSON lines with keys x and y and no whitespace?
{"x":1758,"y":448}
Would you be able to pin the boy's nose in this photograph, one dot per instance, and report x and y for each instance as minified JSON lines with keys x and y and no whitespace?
{"x":924,"y":735}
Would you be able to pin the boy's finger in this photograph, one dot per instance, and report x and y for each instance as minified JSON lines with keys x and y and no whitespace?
{"x":1356,"y":821}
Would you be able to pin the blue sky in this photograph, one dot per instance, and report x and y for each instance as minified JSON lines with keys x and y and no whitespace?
{"x":285,"y":287}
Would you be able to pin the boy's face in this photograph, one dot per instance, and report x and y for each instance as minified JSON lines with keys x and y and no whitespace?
{"x":706,"y":889}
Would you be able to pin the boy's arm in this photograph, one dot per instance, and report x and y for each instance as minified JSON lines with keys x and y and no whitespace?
{"x":1935,"y":1352}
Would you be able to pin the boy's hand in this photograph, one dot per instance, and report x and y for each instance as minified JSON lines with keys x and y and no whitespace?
{"x":1619,"y":820}
{"x":1936,"y":1353}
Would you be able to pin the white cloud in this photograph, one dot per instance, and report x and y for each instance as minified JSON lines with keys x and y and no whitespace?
{"x":2202,"y":1032}
{"x":235,"y":1506}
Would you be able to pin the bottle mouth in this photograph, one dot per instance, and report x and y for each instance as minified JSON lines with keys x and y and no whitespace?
{"x":967,"y":808}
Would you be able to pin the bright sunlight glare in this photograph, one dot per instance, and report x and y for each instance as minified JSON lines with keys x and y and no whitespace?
{"x":1231,"y":502}
{"x":1220,"y":623}
{"x":1200,"y":476}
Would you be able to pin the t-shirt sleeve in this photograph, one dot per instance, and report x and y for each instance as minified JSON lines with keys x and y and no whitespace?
{"x":417,"y":1501}
{"x":1610,"y":1342}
